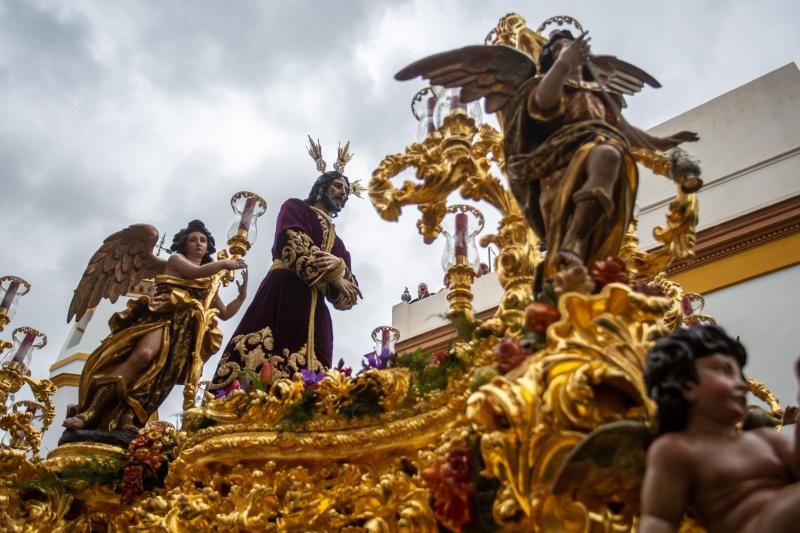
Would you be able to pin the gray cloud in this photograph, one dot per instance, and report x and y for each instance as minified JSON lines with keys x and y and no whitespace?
{"x":126,"y":112}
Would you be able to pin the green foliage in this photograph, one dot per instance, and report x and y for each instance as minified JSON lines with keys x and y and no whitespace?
{"x":426,"y":377}
{"x":463,"y":325}
{"x":484,"y":492}
{"x":253,"y":379}
{"x":415,"y":361}
{"x":46,"y":482}
{"x":365,"y":402}
{"x":107,"y":472}
{"x":548,"y":294}
{"x":302,"y":410}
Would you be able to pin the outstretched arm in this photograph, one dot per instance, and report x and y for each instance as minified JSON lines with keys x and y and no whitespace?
{"x":571,"y":58}
{"x":665,"y":491}
{"x":642,"y":139}
{"x":229,"y":310}
{"x":178,"y":264}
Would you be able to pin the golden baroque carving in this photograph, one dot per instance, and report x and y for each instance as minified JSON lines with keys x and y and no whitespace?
{"x":589,"y":373}
{"x":281,"y":497}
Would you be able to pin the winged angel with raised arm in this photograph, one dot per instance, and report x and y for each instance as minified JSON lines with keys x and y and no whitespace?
{"x":570,"y":155}
{"x":155,"y":342}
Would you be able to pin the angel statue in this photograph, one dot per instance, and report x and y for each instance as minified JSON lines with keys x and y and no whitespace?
{"x":570,"y":155}
{"x":158,"y":341}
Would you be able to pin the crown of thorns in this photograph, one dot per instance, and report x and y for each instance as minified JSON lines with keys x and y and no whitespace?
{"x":343,"y":156}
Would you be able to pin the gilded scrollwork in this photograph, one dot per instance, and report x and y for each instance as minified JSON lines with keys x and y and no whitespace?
{"x":19,"y":423}
{"x":459,"y":157}
{"x":589,"y":373}
{"x":274,"y":497}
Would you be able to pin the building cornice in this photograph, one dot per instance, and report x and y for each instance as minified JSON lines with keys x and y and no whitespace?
{"x":77,"y":356}
{"x":66,"y":380}
{"x":746,"y":247}
{"x":778,"y":221}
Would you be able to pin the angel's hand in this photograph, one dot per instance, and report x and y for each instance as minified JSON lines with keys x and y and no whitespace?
{"x":243,"y":285}
{"x":235,"y":264}
{"x":681,"y":137}
{"x":576,"y":54}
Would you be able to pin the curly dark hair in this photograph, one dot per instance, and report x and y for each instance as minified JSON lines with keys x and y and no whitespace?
{"x":670,"y":366}
{"x":546,"y":59}
{"x":179,"y":240}
{"x":321,"y":185}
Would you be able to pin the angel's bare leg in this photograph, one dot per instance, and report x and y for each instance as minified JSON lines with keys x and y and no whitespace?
{"x":140,"y":358}
{"x":593,"y":201}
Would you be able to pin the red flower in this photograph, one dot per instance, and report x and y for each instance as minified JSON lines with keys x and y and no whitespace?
{"x":538,"y":316}
{"x":437,"y":358}
{"x":610,"y":270}
{"x":450,"y":480}
{"x":509,"y":354}
{"x":132,"y":474}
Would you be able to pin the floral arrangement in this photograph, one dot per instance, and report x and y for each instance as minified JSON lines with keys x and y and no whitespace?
{"x":147,"y":459}
{"x":462,"y":498}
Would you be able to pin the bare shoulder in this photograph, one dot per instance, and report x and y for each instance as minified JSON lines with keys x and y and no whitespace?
{"x":668,"y":449}
{"x":178,"y":265}
{"x":780,"y":441}
{"x":176,"y":260}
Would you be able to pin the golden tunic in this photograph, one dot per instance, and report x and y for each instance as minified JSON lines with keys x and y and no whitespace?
{"x":175,"y":309}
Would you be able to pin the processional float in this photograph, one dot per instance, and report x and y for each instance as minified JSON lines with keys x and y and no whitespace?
{"x":489,"y":435}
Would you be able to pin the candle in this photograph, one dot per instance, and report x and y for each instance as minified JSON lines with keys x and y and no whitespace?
{"x":456,"y":102}
{"x":461,"y":235}
{"x":247,"y":213}
{"x":24,"y":347}
{"x":13,"y":287}
{"x":429,"y":117}
{"x":385,"y":337}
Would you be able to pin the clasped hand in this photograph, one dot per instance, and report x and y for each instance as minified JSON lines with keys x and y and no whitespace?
{"x":325,"y":262}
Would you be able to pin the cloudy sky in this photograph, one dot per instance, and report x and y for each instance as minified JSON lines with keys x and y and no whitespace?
{"x":116,"y":113}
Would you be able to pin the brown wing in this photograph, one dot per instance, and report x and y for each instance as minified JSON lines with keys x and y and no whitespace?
{"x":606,"y":466}
{"x":621,"y":77}
{"x":491,"y":72}
{"x":123,"y":260}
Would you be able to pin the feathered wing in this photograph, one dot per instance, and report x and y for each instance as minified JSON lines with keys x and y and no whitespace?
{"x":491,"y":72}
{"x":621,"y":77}
{"x":607,"y":466}
{"x":121,"y":262}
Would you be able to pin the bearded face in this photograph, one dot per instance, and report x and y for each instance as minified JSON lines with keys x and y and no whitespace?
{"x":335,"y":195}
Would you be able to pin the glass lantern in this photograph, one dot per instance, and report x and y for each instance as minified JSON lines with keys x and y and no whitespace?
{"x":247,"y":207}
{"x":11,"y":288}
{"x":385,"y":338}
{"x":423,"y":106}
{"x":450,"y":101}
{"x":461,"y":242}
{"x":26,"y":340}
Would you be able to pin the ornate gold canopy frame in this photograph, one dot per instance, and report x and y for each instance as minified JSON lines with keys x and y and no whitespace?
{"x":251,"y":462}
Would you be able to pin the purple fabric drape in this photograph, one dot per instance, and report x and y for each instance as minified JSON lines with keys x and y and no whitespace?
{"x":291,"y":298}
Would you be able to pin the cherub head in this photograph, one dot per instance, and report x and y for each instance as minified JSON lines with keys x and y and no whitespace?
{"x":696,"y":368}
{"x":182,"y":238}
{"x":332,"y":188}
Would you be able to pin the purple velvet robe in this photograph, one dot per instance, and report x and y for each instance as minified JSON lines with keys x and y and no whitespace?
{"x":291,"y":300}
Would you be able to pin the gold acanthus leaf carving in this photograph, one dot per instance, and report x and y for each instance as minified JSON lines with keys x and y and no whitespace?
{"x":589,"y":373}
